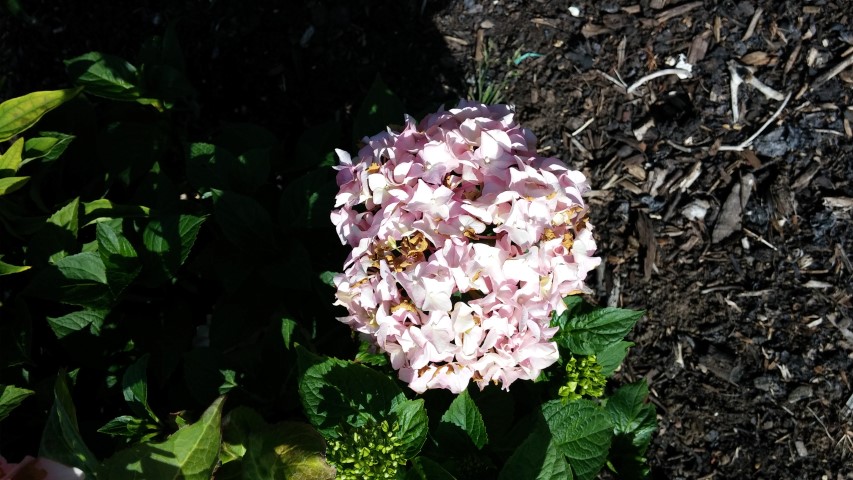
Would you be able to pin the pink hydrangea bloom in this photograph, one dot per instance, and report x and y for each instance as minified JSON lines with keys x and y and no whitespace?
{"x":38,"y":468}
{"x":464,"y":242}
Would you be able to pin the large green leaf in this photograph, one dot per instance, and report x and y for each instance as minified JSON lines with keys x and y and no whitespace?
{"x":10,"y":160}
{"x":307,"y":201}
{"x":61,"y":440}
{"x":76,"y":321}
{"x":316,"y":147}
{"x":590,"y":332}
{"x":211,"y":166}
{"x":21,"y":113}
{"x":634,"y":423}
{"x":463,"y":413}
{"x":104,"y":75}
{"x":102,"y":209}
{"x":11,"y":184}
{"x":581,"y":431}
{"x":119,"y":257}
{"x":129,"y":149}
{"x":611,"y":356}
{"x":245,"y":222}
{"x":47,"y":148}
{"x":168,"y":241}
{"x":134,"y":386}
{"x":537,"y":458}
{"x":8,"y":269}
{"x":79,"y":279}
{"x":191,"y":453}
{"x":10,"y":397}
{"x":379,"y":109}
{"x":425,"y":469}
{"x":286,"y":451}
{"x":335,"y":392}
{"x":414,"y":425}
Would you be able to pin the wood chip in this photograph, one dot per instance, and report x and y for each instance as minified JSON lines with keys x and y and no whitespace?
{"x":805,"y":178}
{"x":592,"y":30}
{"x":751,"y":28}
{"x":817,"y":284}
{"x":698,"y":47}
{"x":732,"y":212}
{"x":647,"y":239}
{"x":545,"y":21}
{"x":678,"y":11}
{"x":838,"y":202}
{"x":758,"y":58}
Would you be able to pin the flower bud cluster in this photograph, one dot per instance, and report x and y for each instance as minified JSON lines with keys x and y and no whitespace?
{"x":464,"y":242}
{"x":584,"y":379}
{"x":372,"y":451}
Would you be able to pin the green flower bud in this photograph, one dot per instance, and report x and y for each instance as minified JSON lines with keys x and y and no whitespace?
{"x":584,"y":378}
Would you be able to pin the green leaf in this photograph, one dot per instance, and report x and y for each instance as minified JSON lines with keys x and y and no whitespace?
{"x":130,"y":427}
{"x":612,"y":356}
{"x":76,"y":321}
{"x":103,"y":209}
{"x":61,"y":440}
{"x":316,"y":147}
{"x":104,"y":75}
{"x":537,"y":458}
{"x":191,"y":453}
{"x":10,"y":397}
{"x":119,"y":257}
{"x":10,"y":184}
{"x":592,"y":332}
{"x":206,"y":373}
{"x":63,"y":241}
{"x":414,"y":425}
{"x":10,"y":160}
{"x":168,"y":241}
{"x":287,"y":328}
{"x":307,"y":201}
{"x":75,"y":280}
{"x":463,"y":413}
{"x":380,"y":108}
{"x":634,"y":423}
{"x":425,"y":469}
{"x":211,"y":166}
{"x":134,"y":386}
{"x":46,"y":148}
{"x":581,"y":431}
{"x":131,"y":149}
{"x":286,"y":451}
{"x":367,"y":356}
{"x":244,"y":222}
{"x":21,"y":113}
{"x":334,"y":392}
{"x":7,"y":269}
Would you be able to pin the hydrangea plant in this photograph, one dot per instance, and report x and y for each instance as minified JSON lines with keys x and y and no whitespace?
{"x":464,"y":242}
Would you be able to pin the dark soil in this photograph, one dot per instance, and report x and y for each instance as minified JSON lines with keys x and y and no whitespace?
{"x":742,"y":259}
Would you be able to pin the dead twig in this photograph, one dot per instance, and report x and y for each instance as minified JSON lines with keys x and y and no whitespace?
{"x":832,"y":72}
{"x":751,"y":29}
{"x":746,"y":143}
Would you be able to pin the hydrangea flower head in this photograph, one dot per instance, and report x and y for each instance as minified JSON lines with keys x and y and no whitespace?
{"x":464,"y":242}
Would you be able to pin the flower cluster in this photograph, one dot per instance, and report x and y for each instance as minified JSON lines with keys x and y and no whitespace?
{"x":372,"y":451}
{"x":464,"y":243}
{"x":41,"y":468}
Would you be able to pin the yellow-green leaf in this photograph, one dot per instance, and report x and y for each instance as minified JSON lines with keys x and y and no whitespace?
{"x":10,"y":184}
{"x":7,"y":269}
{"x":103,"y":209}
{"x":21,"y":113}
{"x":11,"y":160}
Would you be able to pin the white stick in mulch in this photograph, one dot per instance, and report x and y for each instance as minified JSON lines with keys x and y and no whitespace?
{"x":682,"y":73}
{"x":746,"y":143}
{"x":735,"y":81}
{"x":833,"y":71}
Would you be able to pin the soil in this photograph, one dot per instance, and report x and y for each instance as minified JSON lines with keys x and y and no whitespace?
{"x":739,"y":251}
